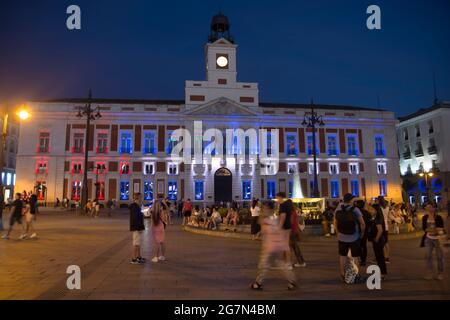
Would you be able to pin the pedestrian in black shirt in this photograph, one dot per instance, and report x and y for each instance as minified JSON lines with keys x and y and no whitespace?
{"x":16,"y":216}
{"x":136,"y":227}
{"x":285,"y":210}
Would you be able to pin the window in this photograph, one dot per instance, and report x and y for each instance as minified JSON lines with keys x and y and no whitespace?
{"x":354,"y":185}
{"x":291,"y":168}
{"x":381,"y":168}
{"x":269,"y":169}
{"x":199,"y":190}
{"x":126,"y":142}
{"x":379,"y":146}
{"x":269,"y":145}
{"x":100,"y":168}
{"x":417,"y":128}
{"x":41,"y":167}
{"x":333,"y":168}
{"x":44,"y":142}
{"x":148,"y":190}
{"x":246,"y":190}
{"x":124,"y":168}
{"x":419,"y":149}
{"x":271,"y":189}
{"x":76,"y":190}
{"x":149,"y":142}
{"x":430,"y":127}
{"x":405,"y":134}
{"x":353,"y":168}
{"x":41,"y":190}
{"x":76,"y":168}
{"x":172,"y":169}
{"x":171,"y":142}
{"x":332,"y":145}
{"x":311,"y":168}
{"x":334,"y":188}
{"x":309,"y":145}
{"x":100,"y":190}
{"x":351,"y":144}
{"x":149,"y":168}
{"x":291,"y":144}
{"x":124,"y":190}
{"x":78,"y":142}
{"x":102,"y":142}
{"x":383,"y":187}
{"x":172,"y":190}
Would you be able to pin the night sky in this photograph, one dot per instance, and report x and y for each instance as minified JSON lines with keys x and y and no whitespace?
{"x":296,"y":50}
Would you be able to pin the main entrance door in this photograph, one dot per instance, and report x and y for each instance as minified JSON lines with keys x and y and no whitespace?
{"x":223,"y":185}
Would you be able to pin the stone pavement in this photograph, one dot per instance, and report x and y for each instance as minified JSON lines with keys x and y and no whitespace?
{"x":198,"y":266}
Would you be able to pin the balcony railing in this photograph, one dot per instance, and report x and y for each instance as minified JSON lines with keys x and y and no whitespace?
{"x":77,"y":171}
{"x":101,"y":150}
{"x":42,"y":149}
{"x":41,"y":171}
{"x":418,"y":153}
{"x":77,"y":150}
{"x":332,"y":152}
{"x":126,"y":150}
{"x":432,"y":150}
{"x":149,"y":150}
{"x":380,"y":152}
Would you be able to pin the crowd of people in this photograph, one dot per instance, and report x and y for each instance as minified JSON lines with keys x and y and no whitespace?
{"x":23,"y":210}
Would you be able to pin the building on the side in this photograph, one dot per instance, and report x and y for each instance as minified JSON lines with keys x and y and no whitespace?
{"x":130,"y":145}
{"x":8,"y":174}
{"x":424,"y":148}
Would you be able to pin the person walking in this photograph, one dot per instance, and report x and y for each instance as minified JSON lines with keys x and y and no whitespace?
{"x":33,"y":202}
{"x":285,"y":211}
{"x":294,"y":239}
{"x":158,"y":232}
{"x":375,"y":233}
{"x":136,"y":227}
{"x":433,"y":225}
{"x":187,"y":211}
{"x":350,"y":227}
{"x":384,"y":206}
{"x":274,"y":244}
{"x":29,"y":225}
{"x":255,"y":210}
{"x":109,"y":205}
{"x":16,"y":216}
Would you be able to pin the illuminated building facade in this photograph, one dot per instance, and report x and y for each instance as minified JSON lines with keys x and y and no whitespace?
{"x":130,"y":145}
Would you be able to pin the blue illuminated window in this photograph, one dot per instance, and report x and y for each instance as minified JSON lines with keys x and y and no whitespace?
{"x":246,"y":190}
{"x":126,"y":142}
{"x":352,"y":146}
{"x":334,"y":189}
{"x":309,"y":145}
{"x":149,"y":142}
{"x":332,"y":146}
{"x":172,"y":190}
{"x":290,"y":189}
{"x":383,"y":187}
{"x":271,"y":189}
{"x":171,"y":142}
{"x":124,"y":190}
{"x":379,"y":146}
{"x":354,"y":184}
{"x":291,"y":144}
{"x":148,"y":190}
{"x":199,"y":190}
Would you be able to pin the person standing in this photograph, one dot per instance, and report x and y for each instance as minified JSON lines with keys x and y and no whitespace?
{"x":187,"y":211}
{"x":158,"y":232}
{"x":375,"y":233}
{"x":285,"y":211}
{"x":294,"y":239}
{"x":433,"y":225}
{"x":255,"y":211}
{"x":33,"y":205}
{"x":350,"y":227}
{"x":360,"y":204}
{"x":136,"y":227}
{"x":274,"y":244}
{"x":385,"y":210}
{"x":16,"y":216}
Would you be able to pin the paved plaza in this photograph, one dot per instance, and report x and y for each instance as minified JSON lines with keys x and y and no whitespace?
{"x":198,"y":266}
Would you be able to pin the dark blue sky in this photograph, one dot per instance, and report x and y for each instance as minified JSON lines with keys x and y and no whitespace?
{"x":296,"y":50}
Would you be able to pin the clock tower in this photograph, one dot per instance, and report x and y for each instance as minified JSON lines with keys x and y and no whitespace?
{"x":221,"y":70}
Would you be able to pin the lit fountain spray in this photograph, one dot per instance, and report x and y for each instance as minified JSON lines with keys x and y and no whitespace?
{"x":297,"y":188}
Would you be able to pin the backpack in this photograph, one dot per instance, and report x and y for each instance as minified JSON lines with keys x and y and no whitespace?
{"x":346,"y":221}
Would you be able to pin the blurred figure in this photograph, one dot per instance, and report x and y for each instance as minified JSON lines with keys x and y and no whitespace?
{"x":375,"y":233}
{"x":136,"y":227}
{"x":16,"y":216}
{"x":294,"y":239}
{"x":255,"y":210}
{"x":158,"y":232}
{"x":385,"y":210}
{"x":433,"y":225}
{"x":274,"y":244}
{"x":187,"y":211}
{"x":361,"y":205}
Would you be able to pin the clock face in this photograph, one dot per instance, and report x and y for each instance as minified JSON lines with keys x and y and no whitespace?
{"x":222,"y":61}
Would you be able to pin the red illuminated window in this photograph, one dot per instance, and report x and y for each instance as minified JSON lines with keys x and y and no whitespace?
{"x":100,"y":168}
{"x":41,"y":167}
{"x":77,"y":168}
{"x":125,"y":168}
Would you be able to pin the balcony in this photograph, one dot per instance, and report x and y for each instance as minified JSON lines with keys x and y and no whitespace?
{"x":418,"y":153}
{"x":77,"y":171}
{"x":41,"y":171}
{"x":407,"y":155}
{"x":352,"y":152}
{"x":332,"y":152}
{"x":102,"y":150}
{"x":100,"y":171}
{"x":42,"y":149}
{"x":380,"y":153}
{"x":149,"y":150}
{"x":79,"y":150}
{"x":432,"y":150}
{"x":125,"y":150}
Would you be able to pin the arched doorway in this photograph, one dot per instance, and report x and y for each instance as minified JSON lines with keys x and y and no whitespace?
{"x":223,"y":185}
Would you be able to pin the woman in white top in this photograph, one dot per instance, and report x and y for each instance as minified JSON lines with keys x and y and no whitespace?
{"x":255,"y":211}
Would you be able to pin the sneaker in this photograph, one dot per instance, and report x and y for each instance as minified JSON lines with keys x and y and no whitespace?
{"x":134,"y":261}
{"x":141,"y":260}
{"x":34,"y":235}
{"x":328,"y":235}
{"x":300,"y":265}
{"x":440,"y":276}
{"x":5,"y":236}
{"x":24,"y":236}
{"x":155,"y":259}
{"x":162,"y":258}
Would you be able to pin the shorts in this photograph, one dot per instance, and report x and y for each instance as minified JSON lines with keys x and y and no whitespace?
{"x":15,"y":219}
{"x":137,"y":238}
{"x":385,"y":235}
{"x":187,"y":213}
{"x":355,"y":248}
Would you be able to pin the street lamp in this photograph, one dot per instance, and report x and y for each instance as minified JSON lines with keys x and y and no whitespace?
{"x":91,"y":114}
{"x":311,"y":121}
{"x":426,"y":174}
{"x":23,"y":114}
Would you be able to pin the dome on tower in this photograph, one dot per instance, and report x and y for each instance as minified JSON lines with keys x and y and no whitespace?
{"x":220,"y":28}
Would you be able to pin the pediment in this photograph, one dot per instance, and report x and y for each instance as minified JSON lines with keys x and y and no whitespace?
{"x":222,"y":106}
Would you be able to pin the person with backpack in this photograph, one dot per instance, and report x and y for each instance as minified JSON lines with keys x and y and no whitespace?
{"x":375,"y":230}
{"x":350,"y":226}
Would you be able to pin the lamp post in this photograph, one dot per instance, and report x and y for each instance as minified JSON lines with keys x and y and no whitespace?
{"x":91,"y":114}
{"x":23,"y":114}
{"x":311,"y":121}
{"x":426,"y":174}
